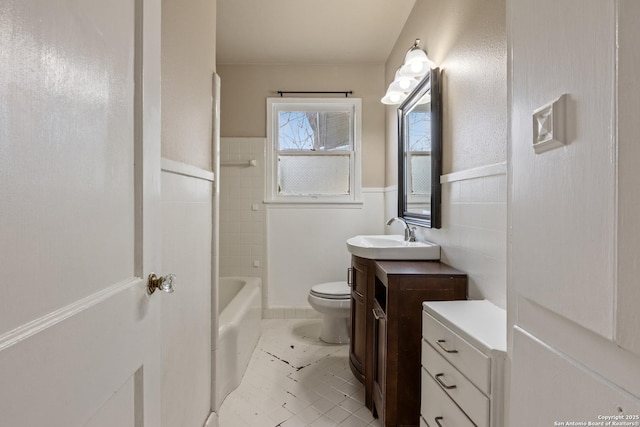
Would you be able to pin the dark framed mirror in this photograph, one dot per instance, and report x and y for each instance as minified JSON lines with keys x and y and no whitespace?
{"x":420,"y":153}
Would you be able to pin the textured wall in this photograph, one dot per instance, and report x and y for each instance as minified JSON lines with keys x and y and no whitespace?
{"x":246,"y":87}
{"x":188,"y":61}
{"x":563,"y":201}
{"x":628,"y":321}
{"x":467,"y":39}
{"x":573,"y":228}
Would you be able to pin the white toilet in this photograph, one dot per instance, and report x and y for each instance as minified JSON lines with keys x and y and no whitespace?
{"x":333,"y":301}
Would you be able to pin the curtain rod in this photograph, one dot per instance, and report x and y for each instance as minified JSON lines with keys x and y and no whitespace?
{"x":346,"y":92}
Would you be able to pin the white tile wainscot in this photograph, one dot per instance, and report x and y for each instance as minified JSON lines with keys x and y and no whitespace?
{"x":463,"y":356}
{"x":187,"y":194}
{"x":473,"y":237}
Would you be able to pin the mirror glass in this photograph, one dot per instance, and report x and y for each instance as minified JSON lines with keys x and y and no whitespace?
{"x":420,"y":153}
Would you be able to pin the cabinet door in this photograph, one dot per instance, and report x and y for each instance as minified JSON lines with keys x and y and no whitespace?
{"x":358,"y":342}
{"x":358,"y":331}
{"x":379,"y":359}
{"x":359,"y":278}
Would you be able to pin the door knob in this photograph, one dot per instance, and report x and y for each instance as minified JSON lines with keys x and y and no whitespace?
{"x":164,"y":283}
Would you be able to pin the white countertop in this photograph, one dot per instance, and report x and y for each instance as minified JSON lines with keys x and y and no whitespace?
{"x":478,"y":320}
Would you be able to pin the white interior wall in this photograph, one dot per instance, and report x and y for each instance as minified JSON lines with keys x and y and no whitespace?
{"x":295,"y":246}
{"x":628,"y":220}
{"x":189,"y":129}
{"x":186,"y":314}
{"x":567,"y":207}
{"x":306,"y":245}
{"x":246,"y":88}
{"x":188,"y":60}
{"x":467,"y":40}
{"x":473,"y":237}
{"x":562,"y":201}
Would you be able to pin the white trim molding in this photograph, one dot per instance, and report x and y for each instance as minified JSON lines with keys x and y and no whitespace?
{"x":27,"y":330}
{"x":373,"y":190}
{"x":353,"y":153}
{"x":178,"y":168}
{"x":391,"y":188}
{"x":479,"y":172}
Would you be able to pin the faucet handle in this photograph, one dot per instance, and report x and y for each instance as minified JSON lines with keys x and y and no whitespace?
{"x":410,"y":234}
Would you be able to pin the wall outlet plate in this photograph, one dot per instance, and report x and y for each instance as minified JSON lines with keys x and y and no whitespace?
{"x":549,"y":125}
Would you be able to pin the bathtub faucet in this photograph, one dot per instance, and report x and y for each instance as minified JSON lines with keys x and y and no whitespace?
{"x":409,"y":232}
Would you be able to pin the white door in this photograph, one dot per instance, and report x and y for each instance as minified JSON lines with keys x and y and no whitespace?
{"x":79,"y":224}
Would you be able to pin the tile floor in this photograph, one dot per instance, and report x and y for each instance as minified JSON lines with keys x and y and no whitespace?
{"x":294,"y":380}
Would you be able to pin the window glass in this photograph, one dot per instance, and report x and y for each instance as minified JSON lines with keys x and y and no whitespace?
{"x":314,"y":130}
{"x":420,"y":129}
{"x":313,"y":175}
{"x":420,"y":174}
{"x":313,"y":150}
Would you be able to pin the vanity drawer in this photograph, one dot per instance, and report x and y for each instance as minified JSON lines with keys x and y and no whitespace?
{"x":467,"y":359}
{"x":465,"y":394}
{"x":438,"y":408}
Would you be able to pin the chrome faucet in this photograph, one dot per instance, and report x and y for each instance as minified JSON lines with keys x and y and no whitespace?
{"x":409,"y":232}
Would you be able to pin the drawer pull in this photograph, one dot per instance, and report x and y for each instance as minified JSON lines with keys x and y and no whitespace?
{"x":376,"y":314}
{"x":441,"y":345}
{"x":349,"y":276}
{"x":439,"y":379}
{"x":437,"y":419}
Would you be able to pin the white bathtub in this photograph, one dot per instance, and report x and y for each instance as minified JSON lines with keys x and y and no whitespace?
{"x":240,"y":308}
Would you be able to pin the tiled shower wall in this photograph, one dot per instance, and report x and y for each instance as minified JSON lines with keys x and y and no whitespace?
{"x":242,"y":215}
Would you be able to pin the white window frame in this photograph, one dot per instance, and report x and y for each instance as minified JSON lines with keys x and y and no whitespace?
{"x":274,"y":106}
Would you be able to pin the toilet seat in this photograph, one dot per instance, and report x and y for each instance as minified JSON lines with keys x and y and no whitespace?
{"x":332,"y":290}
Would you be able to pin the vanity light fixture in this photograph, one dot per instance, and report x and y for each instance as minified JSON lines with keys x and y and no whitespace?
{"x":403,"y":83}
{"x":414,"y":67}
{"x":416,"y":62}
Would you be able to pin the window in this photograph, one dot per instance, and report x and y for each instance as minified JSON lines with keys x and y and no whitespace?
{"x":419,"y":153}
{"x":314,"y":150}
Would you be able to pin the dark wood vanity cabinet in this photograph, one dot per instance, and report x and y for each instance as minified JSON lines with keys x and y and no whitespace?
{"x":362,"y":279}
{"x":396,"y":296}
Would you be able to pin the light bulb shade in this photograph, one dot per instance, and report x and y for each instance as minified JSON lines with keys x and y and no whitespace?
{"x":415,"y":66}
{"x":416,"y":63}
{"x":403,"y":84}
{"x":393,"y":97}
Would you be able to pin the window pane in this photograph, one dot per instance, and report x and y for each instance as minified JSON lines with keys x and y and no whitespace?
{"x":313,"y":175}
{"x":316,"y":130}
{"x":420,"y":128}
{"x":420,"y":174}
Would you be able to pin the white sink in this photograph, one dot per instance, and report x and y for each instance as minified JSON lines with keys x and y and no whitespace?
{"x":392,"y":247}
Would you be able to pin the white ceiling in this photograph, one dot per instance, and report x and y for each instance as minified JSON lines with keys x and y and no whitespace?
{"x":308,"y":31}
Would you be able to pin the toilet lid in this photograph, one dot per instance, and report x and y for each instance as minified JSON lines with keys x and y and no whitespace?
{"x":331,"y":290}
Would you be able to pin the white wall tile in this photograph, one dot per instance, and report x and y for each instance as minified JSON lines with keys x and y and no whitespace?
{"x":242,"y":230}
{"x":473,"y":236}
{"x":307,"y":245}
